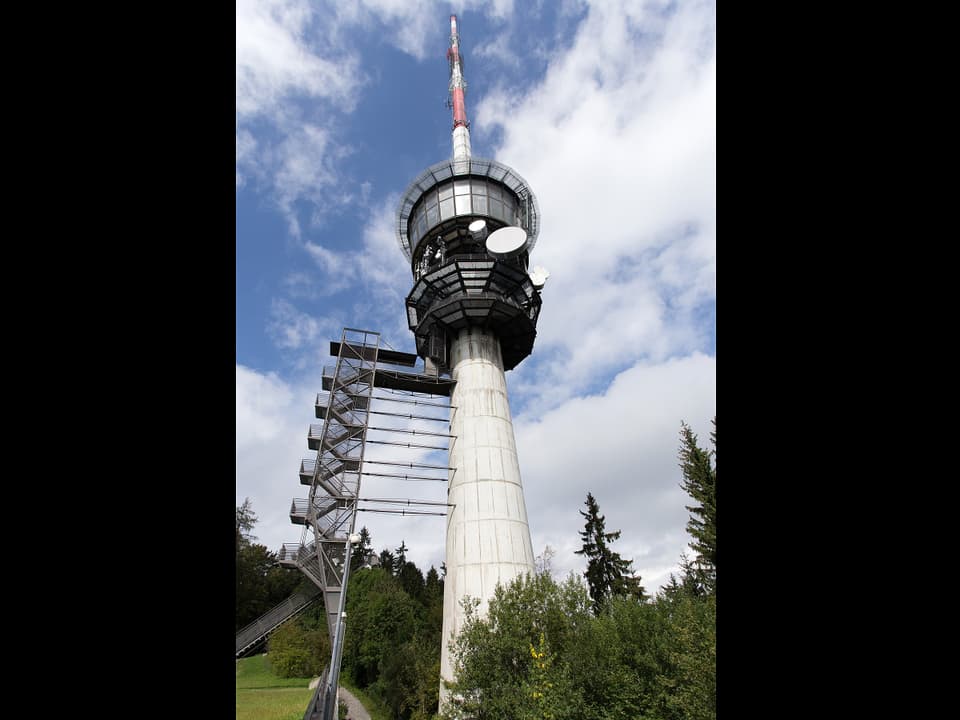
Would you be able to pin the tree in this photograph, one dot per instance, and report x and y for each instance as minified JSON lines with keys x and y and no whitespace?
{"x":361,"y":550}
{"x":433,"y":587}
{"x":607,"y":573}
{"x":261,"y":582}
{"x":543,"y":563}
{"x":400,"y":557}
{"x":700,"y":483}
{"x":380,"y":618}
{"x":299,"y":651}
{"x":513,"y":662}
{"x":386,"y":560}
{"x":246,"y":519}
{"x":411,"y":580}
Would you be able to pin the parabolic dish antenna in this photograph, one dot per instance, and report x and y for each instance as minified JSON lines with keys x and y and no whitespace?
{"x":538,"y":276}
{"x":477,"y":226}
{"x":506,"y":243}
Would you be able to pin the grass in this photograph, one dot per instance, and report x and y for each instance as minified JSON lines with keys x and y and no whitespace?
{"x":261,"y":695}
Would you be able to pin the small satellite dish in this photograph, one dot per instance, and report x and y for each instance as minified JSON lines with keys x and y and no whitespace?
{"x":478,"y":230}
{"x":506,"y":243}
{"x":538,"y":276}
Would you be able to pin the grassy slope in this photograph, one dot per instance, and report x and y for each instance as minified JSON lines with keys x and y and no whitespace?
{"x":261,"y":695}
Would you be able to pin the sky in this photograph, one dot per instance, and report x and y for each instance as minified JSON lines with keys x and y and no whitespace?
{"x":607,"y":108}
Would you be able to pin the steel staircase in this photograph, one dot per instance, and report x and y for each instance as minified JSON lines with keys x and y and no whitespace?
{"x":250,"y":637}
{"x":329,"y":512}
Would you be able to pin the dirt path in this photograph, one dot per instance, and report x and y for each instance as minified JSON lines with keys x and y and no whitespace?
{"x":355,"y":711}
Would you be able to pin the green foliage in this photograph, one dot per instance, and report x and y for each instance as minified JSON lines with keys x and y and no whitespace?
{"x":361,"y":550}
{"x":400,"y":557}
{"x":261,"y":582}
{"x":392,"y":639}
{"x":246,"y":519}
{"x":607,"y":573}
{"x":541,"y":653}
{"x":411,"y":580}
{"x":432,"y":587}
{"x":386,"y":560}
{"x":700,"y":482}
{"x":410,"y":678}
{"x":296,"y":651}
{"x":380,"y":618}
{"x":498,"y":675}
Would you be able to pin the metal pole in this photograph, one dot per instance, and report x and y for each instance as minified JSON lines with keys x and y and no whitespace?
{"x":330,"y":707}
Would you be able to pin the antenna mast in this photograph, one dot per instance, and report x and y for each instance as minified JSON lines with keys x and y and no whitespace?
{"x":458,"y":86}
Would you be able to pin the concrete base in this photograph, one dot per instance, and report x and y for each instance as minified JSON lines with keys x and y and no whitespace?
{"x":488,"y":537}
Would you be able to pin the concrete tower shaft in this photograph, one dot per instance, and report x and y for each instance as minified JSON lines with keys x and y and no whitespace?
{"x":488,"y":536}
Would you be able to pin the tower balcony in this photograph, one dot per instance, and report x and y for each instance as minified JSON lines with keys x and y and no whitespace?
{"x":289,"y":554}
{"x":336,"y":476}
{"x":323,"y":505}
{"x":475,"y":292}
{"x":314,"y":435}
{"x":308,"y":467}
{"x":299,"y":511}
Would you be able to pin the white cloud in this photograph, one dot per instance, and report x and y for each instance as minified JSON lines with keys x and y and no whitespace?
{"x":288,"y":51}
{"x":501,"y":49}
{"x":621,"y":446}
{"x":618,"y":142}
{"x":261,"y":399}
{"x":246,"y":151}
{"x":291,"y":329}
{"x":407,"y":24}
{"x":376,"y":276}
{"x":377,"y":270}
{"x":276,"y":59}
{"x":273,"y":419}
{"x":272,"y":424}
{"x":280,"y":62}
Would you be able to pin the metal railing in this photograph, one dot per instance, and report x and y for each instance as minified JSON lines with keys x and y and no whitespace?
{"x":253,"y":634}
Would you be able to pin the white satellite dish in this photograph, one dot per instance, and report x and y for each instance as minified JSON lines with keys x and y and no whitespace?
{"x":478,"y":229}
{"x":506,"y":243}
{"x":538,"y":276}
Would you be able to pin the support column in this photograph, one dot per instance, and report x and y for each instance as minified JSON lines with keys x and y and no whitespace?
{"x":488,"y":537}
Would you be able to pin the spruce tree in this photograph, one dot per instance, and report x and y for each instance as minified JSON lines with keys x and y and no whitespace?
{"x":361,"y":550}
{"x":400,"y":557}
{"x":607,"y":573}
{"x":700,"y":483}
{"x":386,"y":560}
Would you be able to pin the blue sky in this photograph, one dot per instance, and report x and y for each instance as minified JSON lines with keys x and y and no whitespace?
{"x":608,"y":110}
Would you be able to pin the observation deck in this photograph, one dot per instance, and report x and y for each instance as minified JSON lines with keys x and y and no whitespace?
{"x":457,"y":283}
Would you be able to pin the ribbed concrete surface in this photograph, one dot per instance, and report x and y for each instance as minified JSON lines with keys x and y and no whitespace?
{"x":488,"y":538}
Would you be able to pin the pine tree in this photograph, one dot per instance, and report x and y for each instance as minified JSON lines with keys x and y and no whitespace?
{"x":700,"y":483}
{"x":386,"y":560}
{"x":246,"y":519}
{"x":360,"y":551}
{"x":400,"y":557}
{"x":607,"y":573}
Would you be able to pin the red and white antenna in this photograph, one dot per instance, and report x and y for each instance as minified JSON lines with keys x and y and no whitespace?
{"x":458,"y":86}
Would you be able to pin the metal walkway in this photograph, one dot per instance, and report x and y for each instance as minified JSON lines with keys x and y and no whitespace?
{"x":250,"y":637}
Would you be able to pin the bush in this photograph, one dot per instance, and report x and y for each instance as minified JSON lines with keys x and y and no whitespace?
{"x":295,"y":651}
